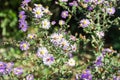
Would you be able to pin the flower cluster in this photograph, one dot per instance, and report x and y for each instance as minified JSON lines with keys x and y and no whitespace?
{"x":58,"y":40}
{"x":22,"y":22}
{"x":48,"y":59}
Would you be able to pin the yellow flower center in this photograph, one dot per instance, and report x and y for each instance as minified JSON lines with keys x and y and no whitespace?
{"x":24,"y":45}
{"x":38,"y":12}
{"x":84,"y":22}
{"x":42,"y":52}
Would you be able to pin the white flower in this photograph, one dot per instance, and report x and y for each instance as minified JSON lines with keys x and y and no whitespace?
{"x":38,"y":11}
{"x":71,"y":62}
{"x":45,"y":24}
{"x":41,"y":52}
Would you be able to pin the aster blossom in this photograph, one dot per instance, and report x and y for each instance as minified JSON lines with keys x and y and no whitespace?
{"x":29,"y":77}
{"x":111,"y":10}
{"x":45,"y":24}
{"x":41,"y":52}
{"x":48,"y":60}
{"x":73,"y":3}
{"x":38,"y":11}
{"x":2,"y":68}
{"x":25,"y":3}
{"x":86,"y":75}
{"x":24,"y":45}
{"x":18,"y":71}
{"x":84,"y":23}
{"x":22,"y":22}
{"x":64,"y":14}
{"x":98,"y":61}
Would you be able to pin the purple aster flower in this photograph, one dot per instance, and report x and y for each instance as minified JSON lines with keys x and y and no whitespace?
{"x":22,"y":15}
{"x":48,"y":59}
{"x":98,"y":61}
{"x":2,"y":65}
{"x":22,"y":22}
{"x":116,"y":78}
{"x":2,"y":68}
{"x":111,"y":11}
{"x":74,"y":3}
{"x":100,"y":34}
{"x":2,"y":71}
{"x":84,"y":23}
{"x":73,"y":38}
{"x":106,"y":50}
{"x":97,"y":1}
{"x":86,"y":75}
{"x":24,"y":45}
{"x":9,"y":67}
{"x":30,"y":77}
{"x":18,"y":71}
{"x":64,"y":14}
{"x":53,"y":22}
{"x":23,"y":25}
{"x":86,"y":1}
{"x":24,"y":3}
{"x":89,"y":8}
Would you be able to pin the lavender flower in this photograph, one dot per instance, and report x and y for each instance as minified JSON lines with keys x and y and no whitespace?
{"x":73,"y":38}
{"x":64,"y":14}
{"x":30,"y":77}
{"x":84,"y":23}
{"x":2,"y":68}
{"x":74,"y":3}
{"x":23,"y":25}
{"x":9,"y":67}
{"x":53,"y":22}
{"x":98,"y":61}
{"x":25,"y":3}
{"x":24,"y":45}
{"x":22,"y":22}
{"x":100,"y":34}
{"x":42,"y":52}
{"x":106,"y":50}
{"x":86,"y":75}
{"x":22,"y":15}
{"x":111,"y":10}
{"x":89,"y":8}
{"x":18,"y":71}
{"x":48,"y":60}
{"x":97,"y":1}
{"x":86,"y":1}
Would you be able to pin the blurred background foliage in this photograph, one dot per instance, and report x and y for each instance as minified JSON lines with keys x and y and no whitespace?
{"x":9,"y":10}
